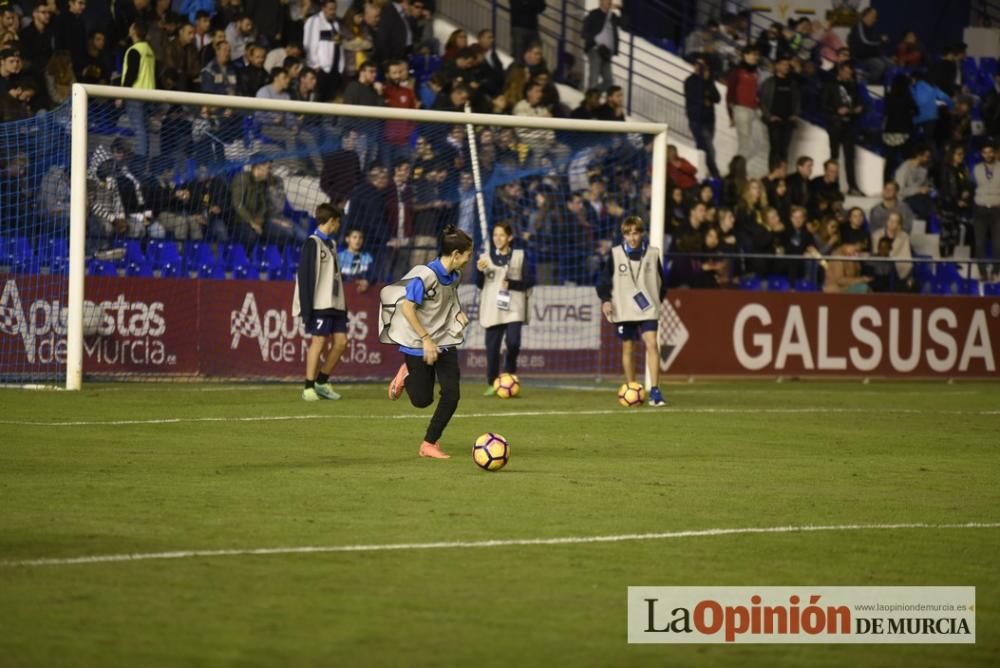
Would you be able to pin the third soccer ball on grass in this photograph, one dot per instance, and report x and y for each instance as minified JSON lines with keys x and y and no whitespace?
{"x":631,"y":395}
{"x":507,"y":386}
{"x":491,"y":452}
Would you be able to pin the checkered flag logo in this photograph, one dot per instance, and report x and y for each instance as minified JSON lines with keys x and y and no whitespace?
{"x":672,"y":335}
{"x":246,"y":322}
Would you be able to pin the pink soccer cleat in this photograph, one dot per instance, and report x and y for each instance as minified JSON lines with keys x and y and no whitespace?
{"x":432,"y":450}
{"x":398,"y":384}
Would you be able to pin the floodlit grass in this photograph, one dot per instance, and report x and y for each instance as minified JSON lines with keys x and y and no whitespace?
{"x":724,"y":455}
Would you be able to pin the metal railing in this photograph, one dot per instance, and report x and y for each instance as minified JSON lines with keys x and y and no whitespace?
{"x":561,"y":28}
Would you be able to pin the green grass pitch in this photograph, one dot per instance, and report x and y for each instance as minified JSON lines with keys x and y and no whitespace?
{"x":723,"y":455}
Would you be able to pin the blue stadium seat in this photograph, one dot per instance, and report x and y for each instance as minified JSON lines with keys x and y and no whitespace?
{"x":97,"y":267}
{"x":214,"y":271}
{"x":247,"y":272}
{"x":969,"y":286}
{"x":776,"y":284}
{"x":136,"y":262}
{"x":235,"y":257}
{"x":970,"y":70}
{"x":293,"y":253}
{"x":57,"y":257}
{"x":167,"y":259}
{"x":805,"y":285}
{"x":23,"y":259}
{"x":750,"y":283}
{"x":989,"y":66}
{"x":272,"y":262}
{"x":991,"y":289}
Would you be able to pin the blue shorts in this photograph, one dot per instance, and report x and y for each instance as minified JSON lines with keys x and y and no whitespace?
{"x":633,"y":331}
{"x":333,"y":322}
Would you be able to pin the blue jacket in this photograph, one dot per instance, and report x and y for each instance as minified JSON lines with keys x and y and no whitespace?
{"x":926,"y":97}
{"x":192,"y":7}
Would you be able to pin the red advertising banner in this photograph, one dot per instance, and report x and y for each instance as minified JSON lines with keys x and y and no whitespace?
{"x":245,"y":329}
{"x":750,"y":333}
{"x":133,"y":326}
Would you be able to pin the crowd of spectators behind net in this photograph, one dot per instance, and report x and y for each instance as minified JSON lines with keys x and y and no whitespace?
{"x":177,"y":172}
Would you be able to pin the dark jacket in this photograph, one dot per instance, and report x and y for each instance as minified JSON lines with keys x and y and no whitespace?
{"x":700,"y":98}
{"x":771,"y":105}
{"x":390,"y":37}
{"x":899,"y":113}
{"x":838,"y":94}
{"x":864,"y":43}
{"x":592,"y":26}
{"x":524,"y":13}
{"x":954,"y":185}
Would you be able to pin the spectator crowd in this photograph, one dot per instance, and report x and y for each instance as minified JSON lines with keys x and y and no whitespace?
{"x":936,"y":169}
{"x":168,"y":171}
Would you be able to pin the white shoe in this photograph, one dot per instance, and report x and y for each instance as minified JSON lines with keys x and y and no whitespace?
{"x":309,"y":394}
{"x":325,"y":391}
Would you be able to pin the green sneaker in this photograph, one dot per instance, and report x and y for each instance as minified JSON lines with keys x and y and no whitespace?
{"x":325,"y":391}
{"x":309,"y":394}
{"x":490,"y":391}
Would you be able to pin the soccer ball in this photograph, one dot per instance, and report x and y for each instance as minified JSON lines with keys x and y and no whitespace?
{"x":631,"y":395}
{"x":507,"y":386}
{"x":491,"y":452}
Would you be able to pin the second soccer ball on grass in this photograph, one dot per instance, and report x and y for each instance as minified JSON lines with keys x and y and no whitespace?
{"x":507,"y":386}
{"x":631,"y":395}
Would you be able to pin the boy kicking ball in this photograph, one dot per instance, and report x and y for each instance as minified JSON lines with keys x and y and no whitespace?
{"x":422,"y":315}
{"x":631,"y":291}
{"x":319,"y":300}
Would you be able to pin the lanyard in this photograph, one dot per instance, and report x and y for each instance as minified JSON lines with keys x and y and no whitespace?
{"x":636,"y":274}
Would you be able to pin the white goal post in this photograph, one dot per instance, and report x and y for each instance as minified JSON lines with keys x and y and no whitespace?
{"x":82,"y":94}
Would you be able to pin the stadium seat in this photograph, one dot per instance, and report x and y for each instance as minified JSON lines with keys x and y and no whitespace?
{"x":136,"y":262}
{"x":101,"y":268}
{"x":23,"y":259}
{"x":235,"y":257}
{"x":166,"y":259}
{"x":776,"y":284}
{"x":989,"y":66}
{"x":991,"y":289}
{"x":213,"y":271}
{"x":272,"y":263}
{"x":970,"y":70}
{"x":805,"y":285}
{"x":203,"y":261}
{"x":293,"y":253}
{"x":58,"y":255}
{"x":246,"y":272}
{"x":750,"y":283}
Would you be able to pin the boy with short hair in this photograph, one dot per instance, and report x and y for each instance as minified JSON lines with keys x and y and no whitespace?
{"x":355,"y":264}
{"x":319,"y":300}
{"x":631,"y":291}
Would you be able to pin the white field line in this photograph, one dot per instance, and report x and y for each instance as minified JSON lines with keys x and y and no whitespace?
{"x":806,"y":410}
{"x":451,"y":545}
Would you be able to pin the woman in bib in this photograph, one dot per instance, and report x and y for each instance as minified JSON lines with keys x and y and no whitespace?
{"x":505,"y":277}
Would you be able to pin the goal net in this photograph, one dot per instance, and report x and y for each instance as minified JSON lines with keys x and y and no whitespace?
{"x":156,"y":235}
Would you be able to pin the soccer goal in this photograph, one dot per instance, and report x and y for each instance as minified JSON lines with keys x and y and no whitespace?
{"x":155,"y":234}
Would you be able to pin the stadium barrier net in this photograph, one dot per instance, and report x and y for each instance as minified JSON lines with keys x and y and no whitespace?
{"x":172,"y":250}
